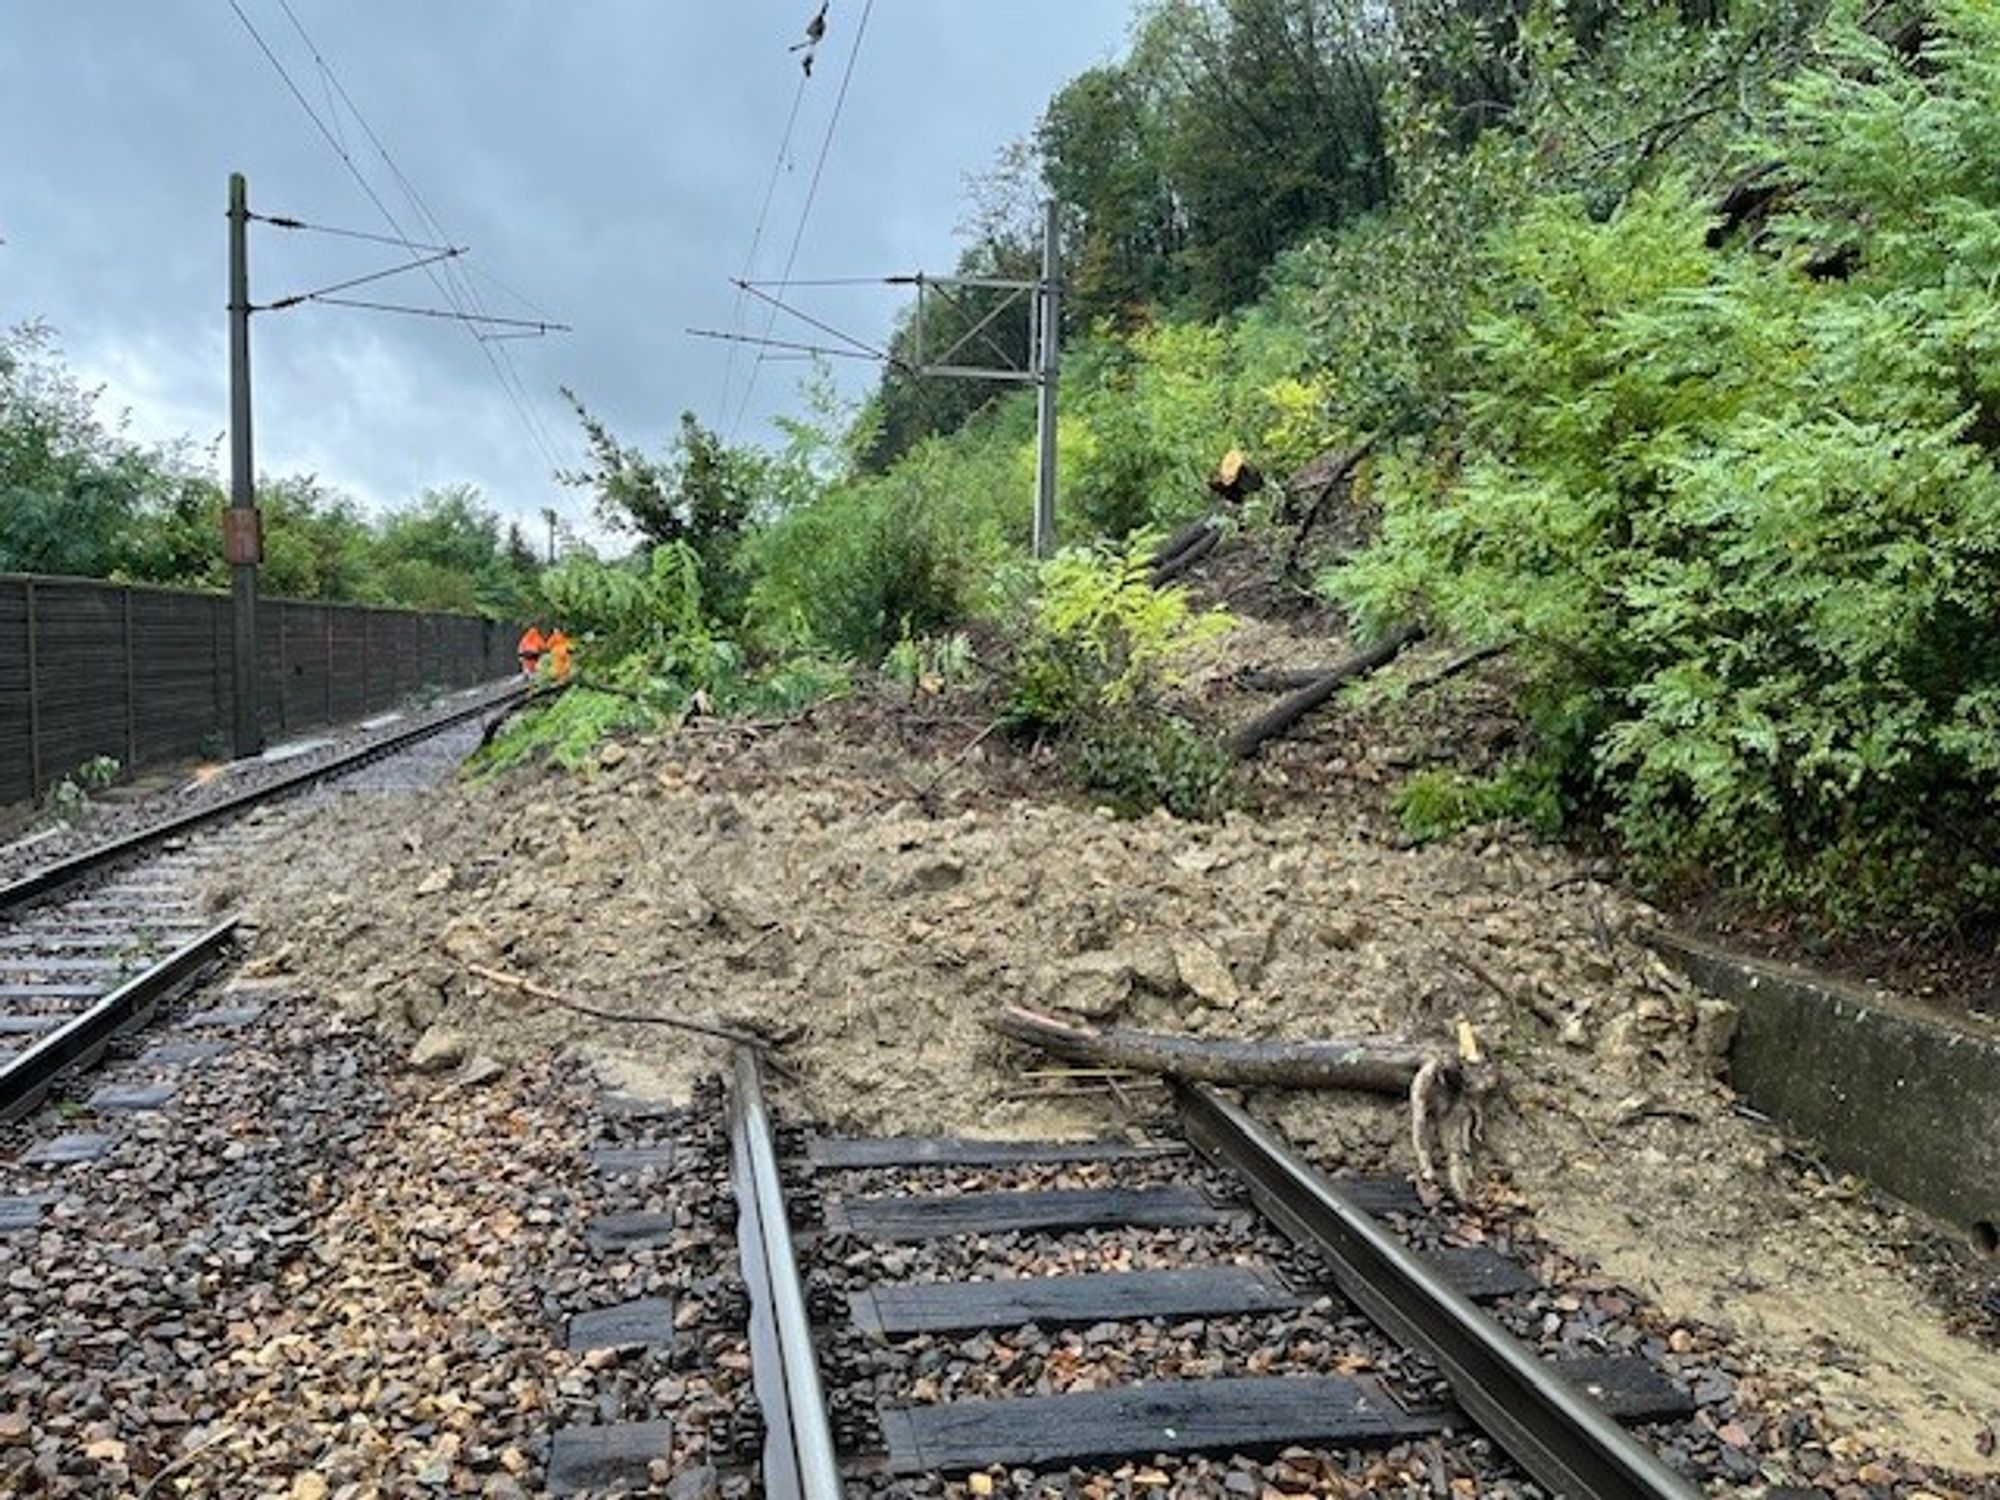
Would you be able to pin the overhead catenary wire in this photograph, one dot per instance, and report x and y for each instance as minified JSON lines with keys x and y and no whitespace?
{"x":794,"y":350}
{"x":436,"y":312}
{"x":519,"y":296}
{"x":320,"y":294}
{"x":286,"y":221}
{"x":522,"y":410}
{"x":812,"y":193}
{"x":514,"y":393}
{"x":504,"y":370}
{"x":824,"y":327}
{"x":829,"y":281}
{"x":757,"y":234}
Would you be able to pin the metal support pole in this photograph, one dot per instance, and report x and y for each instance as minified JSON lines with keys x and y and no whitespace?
{"x":284,"y":616}
{"x":1048,"y":330}
{"x":34,"y":693}
{"x":241,"y":539}
{"x":131,"y":688}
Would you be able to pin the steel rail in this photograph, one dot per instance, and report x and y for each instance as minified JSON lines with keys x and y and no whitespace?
{"x":1563,"y":1439}
{"x":25,"y":1078}
{"x":62,"y":872}
{"x":799,"y":1460}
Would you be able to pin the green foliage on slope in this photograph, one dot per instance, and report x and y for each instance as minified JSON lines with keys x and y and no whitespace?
{"x":1742,"y":522}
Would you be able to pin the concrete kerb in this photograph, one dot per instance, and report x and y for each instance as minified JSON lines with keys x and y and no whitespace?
{"x":1888,"y":1089}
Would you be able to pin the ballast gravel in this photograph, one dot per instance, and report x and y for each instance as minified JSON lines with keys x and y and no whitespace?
{"x":312,"y":1274}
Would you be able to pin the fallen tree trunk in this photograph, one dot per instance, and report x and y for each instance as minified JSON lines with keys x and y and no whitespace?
{"x":1287,"y":711}
{"x":1183,"y":550}
{"x":1281,"y":680}
{"x":1372,"y":1066}
{"x":1164,"y":573}
{"x":1341,"y":471}
{"x":1180,"y":541}
{"x":530,"y":699}
{"x":1286,"y":679}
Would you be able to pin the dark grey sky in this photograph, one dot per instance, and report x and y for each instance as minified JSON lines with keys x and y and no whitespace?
{"x":605,"y":159}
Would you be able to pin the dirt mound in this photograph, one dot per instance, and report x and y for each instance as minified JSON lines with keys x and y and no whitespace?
{"x":797,"y":881}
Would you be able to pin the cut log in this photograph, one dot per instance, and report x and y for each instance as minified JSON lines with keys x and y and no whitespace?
{"x":1372,"y":1065}
{"x":1181,"y":540}
{"x":1286,"y":679}
{"x":1287,"y":711}
{"x":1183,"y":550}
{"x":1235,"y":479}
{"x":1462,"y":663}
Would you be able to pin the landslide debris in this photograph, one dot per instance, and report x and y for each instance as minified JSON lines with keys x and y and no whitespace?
{"x":793,"y":881}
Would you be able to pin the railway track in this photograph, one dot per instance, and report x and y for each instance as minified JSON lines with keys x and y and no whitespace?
{"x":1204,"y":1313}
{"x":92,"y":943}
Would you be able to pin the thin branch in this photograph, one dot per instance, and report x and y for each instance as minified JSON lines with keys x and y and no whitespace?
{"x":527,"y":986}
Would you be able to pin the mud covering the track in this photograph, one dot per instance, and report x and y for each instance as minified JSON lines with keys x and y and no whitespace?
{"x":795,"y":879}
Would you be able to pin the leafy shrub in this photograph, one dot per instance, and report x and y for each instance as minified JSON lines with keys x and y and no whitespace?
{"x":647,"y":654}
{"x":1381,"y":307}
{"x":1436,"y":803}
{"x":1101,"y":648}
{"x":1744,"y":525}
{"x":1102,"y":639}
{"x":1151,"y":413}
{"x":69,"y":800}
{"x":914,"y":550}
{"x":929,"y":663}
{"x":1142,"y":761}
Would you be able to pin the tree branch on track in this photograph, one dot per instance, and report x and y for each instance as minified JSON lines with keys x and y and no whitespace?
{"x":1371,"y":1065}
{"x":701,"y":1027}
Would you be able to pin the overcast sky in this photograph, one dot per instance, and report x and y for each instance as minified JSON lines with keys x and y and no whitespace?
{"x":605,"y":161}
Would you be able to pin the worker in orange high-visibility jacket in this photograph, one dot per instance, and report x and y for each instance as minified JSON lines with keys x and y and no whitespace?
{"x":530,"y":650}
{"x":558,"y":647}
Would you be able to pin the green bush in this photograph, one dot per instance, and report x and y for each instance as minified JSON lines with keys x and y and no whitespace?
{"x":69,"y":800}
{"x":1437,"y":803}
{"x":1743,"y":525}
{"x":1138,"y":762}
{"x":1151,"y":413}
{"x":913,"y":551}
{"x":1381,"y":307}
{"x":1101,"y":639}
{"x":1101,"y":648}
{"x":647,"y":654}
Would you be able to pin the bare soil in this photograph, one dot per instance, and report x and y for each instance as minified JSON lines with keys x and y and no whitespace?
{"x":870,"y":884}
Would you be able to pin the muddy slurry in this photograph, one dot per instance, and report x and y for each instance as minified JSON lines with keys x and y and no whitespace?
{"x":872,"y":896}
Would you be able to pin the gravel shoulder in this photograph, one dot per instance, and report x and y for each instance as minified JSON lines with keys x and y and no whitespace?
{"x":164,"y":792}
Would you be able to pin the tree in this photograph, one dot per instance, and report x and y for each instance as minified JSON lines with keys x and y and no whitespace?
{"x":521,"y":555}
{"x":445,"y":550}
{"x":71,"y":487}
{"x":1275,"y":128}
{"x":701,"y":493}
{"x":1103,"y":147}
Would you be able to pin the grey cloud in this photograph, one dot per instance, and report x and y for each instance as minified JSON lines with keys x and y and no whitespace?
{"x":606,"y":158}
